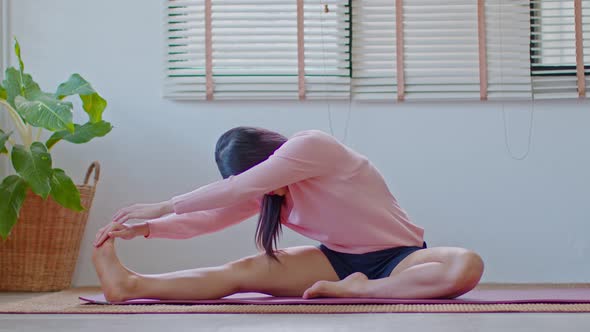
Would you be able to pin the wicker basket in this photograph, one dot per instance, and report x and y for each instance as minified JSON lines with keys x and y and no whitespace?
{"x":42,"y":250}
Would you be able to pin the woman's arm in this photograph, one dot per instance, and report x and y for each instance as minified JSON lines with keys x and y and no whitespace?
{"x":305,"y":156}
{"x":143,"y":211}
{"x":192,"y":224}
{"x":180,"y":226}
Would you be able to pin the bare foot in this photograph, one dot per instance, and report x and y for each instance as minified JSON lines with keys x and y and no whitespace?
{"x":117,"y":282}
{"x":351,"y":286}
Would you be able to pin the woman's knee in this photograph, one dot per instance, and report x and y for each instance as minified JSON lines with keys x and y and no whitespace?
{"x":474,"y":267}
{"x":248,"y":270}
{"x":465,"y":271}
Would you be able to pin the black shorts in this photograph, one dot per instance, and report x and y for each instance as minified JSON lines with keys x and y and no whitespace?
{"x":375,"y":264}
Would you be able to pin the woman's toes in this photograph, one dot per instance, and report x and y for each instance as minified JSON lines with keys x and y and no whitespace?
{"x":356,"y":277}
{"x":316,"y":290}
{"x":352,"y":286}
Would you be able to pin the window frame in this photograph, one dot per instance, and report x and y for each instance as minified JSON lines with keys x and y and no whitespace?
{"x":178,"y":74}
{"x":535,"y":65}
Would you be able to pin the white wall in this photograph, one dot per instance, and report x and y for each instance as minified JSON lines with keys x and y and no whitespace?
{"x":446,"y":162}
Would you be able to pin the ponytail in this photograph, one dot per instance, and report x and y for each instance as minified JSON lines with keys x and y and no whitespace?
{"x":269,"y":227}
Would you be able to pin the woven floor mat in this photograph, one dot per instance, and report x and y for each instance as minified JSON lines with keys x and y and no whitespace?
{"x":68,"y":302}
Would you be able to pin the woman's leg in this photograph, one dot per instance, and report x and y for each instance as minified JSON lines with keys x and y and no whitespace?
{"x":442,"y":272}
{"x":299,"y":268}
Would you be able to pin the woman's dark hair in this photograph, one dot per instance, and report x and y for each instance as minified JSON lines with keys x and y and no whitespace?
{"x":240,"y":149}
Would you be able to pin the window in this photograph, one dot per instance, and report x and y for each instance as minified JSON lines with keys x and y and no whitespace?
{"x":553,"y":46}
{"x":439,"y":53}
{"x":507,"y":49}
{"x":374,"y":49}
{"x":377,"y":49}
{"x":254,"y":49}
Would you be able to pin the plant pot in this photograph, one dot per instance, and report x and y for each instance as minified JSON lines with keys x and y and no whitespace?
{"x":41,"y":252}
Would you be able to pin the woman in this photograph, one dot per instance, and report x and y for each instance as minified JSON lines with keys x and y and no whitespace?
{"x":313,"y":185}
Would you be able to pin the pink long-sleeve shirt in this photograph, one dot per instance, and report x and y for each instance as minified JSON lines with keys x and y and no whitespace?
{"x":336,"y":196}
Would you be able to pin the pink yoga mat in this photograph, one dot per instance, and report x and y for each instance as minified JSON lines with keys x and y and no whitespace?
{"x":482,"y":296}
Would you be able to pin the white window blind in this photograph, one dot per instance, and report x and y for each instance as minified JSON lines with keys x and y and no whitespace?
{"x":507,"y":44}
{"x":255,"y":49}
{"x":441,"y":54}
{"x":185,"y":47}
{"x":553,"y":47}
{"x":327,"y":49}
{"x":456,"y":49}
{"x":374,"y":50}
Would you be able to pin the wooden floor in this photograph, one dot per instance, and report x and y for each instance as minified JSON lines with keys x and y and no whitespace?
{"x":533,"y":322}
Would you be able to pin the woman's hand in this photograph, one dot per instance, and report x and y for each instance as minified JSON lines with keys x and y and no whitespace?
{"x":137,"y":211}
{"x":127,"y":232}
{"x":143,"y":211}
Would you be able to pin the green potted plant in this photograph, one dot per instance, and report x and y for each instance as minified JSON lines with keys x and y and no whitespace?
{"x":42,"y":212}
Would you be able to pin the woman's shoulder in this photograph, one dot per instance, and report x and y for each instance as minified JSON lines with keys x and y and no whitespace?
{"x":314,"y":144}
{"x":313,"y":140}
{"x":313,"y":135}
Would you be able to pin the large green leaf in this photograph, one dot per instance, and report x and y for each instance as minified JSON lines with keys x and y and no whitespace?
{"x":92,"y":102}
{"x":3,"y":139}
{"x":20,"y":59}
{"x":75,"y":85}
{"x":64,"y":191}
{"x":12,"y":84}
{"x":34,"y":166}
{"x":82,"y":134}
{"x":15,"y":83}
{"x":94,"y":105}
{"x":3,"y":94}
{"x":13,"y":191}
{"x":46,"y":111}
